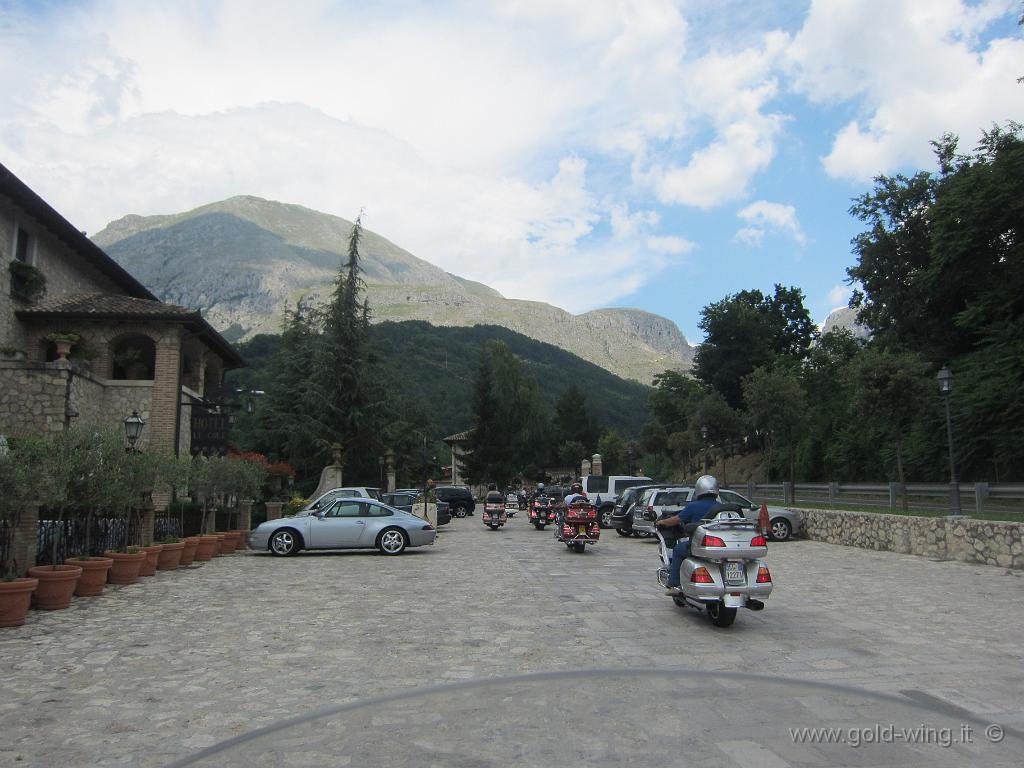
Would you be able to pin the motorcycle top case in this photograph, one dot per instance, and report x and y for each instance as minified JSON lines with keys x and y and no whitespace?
{"x":736,"y":538}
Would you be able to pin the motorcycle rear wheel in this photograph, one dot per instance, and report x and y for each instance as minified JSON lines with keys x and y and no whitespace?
{"x":721,"y":616}
{"x":578,"y":546}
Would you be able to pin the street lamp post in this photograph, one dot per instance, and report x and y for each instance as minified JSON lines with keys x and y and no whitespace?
{"x":945,"y":377}
{"x":133,"y":426}
{"x":629,"y":454}
{"x":704,"y":437}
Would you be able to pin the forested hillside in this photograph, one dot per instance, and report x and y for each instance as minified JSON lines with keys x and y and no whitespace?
{"x":437,"y":365}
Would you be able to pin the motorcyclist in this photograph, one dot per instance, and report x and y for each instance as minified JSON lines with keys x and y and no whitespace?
{"x":494,"y":496}
{"x":705,"y":499}
{"x":575,"y":494}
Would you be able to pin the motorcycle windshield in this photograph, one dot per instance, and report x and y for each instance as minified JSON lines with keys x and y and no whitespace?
{"x":662,"y":717}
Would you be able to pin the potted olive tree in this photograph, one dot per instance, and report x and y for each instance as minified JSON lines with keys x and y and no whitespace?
{"x":15,"y":485}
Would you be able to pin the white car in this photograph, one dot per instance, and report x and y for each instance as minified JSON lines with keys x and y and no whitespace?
{"x":324,"y":500}
{"x":782,"y":523}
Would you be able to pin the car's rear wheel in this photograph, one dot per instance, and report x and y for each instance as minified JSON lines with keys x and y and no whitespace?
{"x":624,"y":532}
{"x":459,"y":511}
{"x":392,"y":541}
{"x":606,"y":516}
{"x":284,"y":543}
{"x":780,"y":529}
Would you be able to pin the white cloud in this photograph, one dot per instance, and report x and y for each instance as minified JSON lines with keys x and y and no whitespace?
{"x":670,"y":244}
{"x":839,"y":296}
{"x":763,"y":217}
{"x":918,"y":74}
{"x":732,"y":92}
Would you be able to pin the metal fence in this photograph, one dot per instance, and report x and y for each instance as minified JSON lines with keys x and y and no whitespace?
{"x":975,"y":498}
{"x":70,"y":536}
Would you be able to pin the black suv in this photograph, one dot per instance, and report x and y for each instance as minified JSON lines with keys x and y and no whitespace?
{"x":460,"y":499}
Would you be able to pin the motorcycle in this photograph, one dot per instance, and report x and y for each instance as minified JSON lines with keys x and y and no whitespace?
{"x":542,"y":512}
{"x":494,"y":515}
{"x":724,"y":571}
{"x":577,"y":526}
{"x":511,"y":505}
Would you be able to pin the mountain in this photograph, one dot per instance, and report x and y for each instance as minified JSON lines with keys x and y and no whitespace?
{"x":437,"y":365}
{"x":242,"y":260}
{"x":845,"y":317}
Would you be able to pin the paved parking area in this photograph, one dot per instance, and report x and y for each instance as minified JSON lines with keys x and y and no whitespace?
{"x":150,"y":673}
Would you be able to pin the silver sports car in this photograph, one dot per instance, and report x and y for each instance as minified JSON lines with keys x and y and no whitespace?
{"x":348,"y":523}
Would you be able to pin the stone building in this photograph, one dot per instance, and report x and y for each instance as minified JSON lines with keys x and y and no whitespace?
{"x":82,"y":341}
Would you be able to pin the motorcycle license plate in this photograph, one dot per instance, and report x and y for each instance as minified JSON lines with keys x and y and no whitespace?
{"x":735,"y":573}
{"x":583,"y":530}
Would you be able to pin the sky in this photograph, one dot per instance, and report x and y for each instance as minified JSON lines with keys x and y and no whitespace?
{"x":657,"y":154}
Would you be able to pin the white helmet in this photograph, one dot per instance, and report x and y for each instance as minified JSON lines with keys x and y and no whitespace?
{"x":706,"y":485}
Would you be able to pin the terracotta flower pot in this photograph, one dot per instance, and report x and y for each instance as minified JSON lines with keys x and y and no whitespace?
{"x":223,"y":545}
{"x":94,"y":575}
{"x":15,"y":598}
{"x":125,"y":569}
{"x":208,"y":547}
{"x":243,"y":538}
{"x":170,"y":556}
{"x":188,"y":552}
{"x":56,"y":585}
{"x":152,"y":556}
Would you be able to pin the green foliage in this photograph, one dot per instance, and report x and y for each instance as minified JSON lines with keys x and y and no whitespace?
{"x":777,"y":408}
{"x":574,"y":423}
{"x":614,"y":450}
{"x":428,"y":373}
{"x":747,"y":330}
{"x":508,"y":420}
{"x":27,"y":282}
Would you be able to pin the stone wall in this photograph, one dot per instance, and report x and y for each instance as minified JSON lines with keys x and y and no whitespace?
{"x":32,"y":398}
{"x":66,"y":272}
{"x":972,"y":541}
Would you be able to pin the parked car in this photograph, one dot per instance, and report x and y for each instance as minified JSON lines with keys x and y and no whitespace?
{"x":347,"y":523}
{"x":622,"y":514}
{"x":459,"y":497}
{"x":657,"y":500}
{"x":405,"y":500}
{"x":782,"y":523}
{"x":603,"y":490}
{"x":324,"y":500}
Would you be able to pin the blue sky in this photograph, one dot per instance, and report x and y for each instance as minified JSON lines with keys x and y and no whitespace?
{"x":649,"y":153}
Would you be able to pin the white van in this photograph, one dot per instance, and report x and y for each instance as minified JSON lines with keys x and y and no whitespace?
{"x":602,"y":490}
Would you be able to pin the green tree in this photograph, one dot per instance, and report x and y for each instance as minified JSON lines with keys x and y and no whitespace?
{"x":747,"y":330}
{"x":509,"y":423}
{"x":573,"y":421}
{"x":777,"y":406}
{"x":614,"y":450}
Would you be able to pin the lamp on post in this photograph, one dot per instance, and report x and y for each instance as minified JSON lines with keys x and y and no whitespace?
{"x":380,"y":463}
{"x":133,"y":426}
{"x":629,"y":455}
{"x":945,"y":378}
{"x":704,"y":437}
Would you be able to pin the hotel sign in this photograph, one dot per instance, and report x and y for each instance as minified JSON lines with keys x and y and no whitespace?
{"x":209,"y":433}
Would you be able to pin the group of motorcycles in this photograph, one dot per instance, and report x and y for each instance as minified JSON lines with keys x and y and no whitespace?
{"x":576,"y":525}
{"x":723,"y":573}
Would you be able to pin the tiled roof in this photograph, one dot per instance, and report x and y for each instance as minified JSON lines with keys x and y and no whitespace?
{"x":109,"y":305}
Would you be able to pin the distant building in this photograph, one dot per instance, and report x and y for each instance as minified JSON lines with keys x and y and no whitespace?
{"x":82,"y":341}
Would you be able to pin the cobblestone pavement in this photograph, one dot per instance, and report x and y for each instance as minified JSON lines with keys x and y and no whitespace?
{"x":150,"y":673}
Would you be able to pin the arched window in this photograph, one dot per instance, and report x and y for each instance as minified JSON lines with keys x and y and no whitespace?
{"x":134,"y":358}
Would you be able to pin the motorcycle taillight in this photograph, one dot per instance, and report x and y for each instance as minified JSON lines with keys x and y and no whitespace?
{"x":764,"y":576}
{"x":712,"y":541}
{"x":701,"y":576}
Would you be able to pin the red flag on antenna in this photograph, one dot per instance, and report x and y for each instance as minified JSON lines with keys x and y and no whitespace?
{"x":762,"y":519}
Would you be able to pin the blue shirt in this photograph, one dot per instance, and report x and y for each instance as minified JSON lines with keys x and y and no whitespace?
{"x":694,"y":511}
